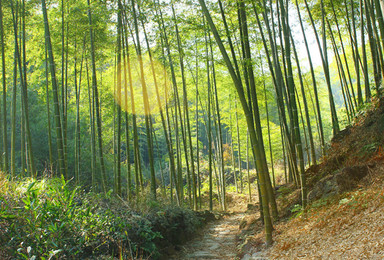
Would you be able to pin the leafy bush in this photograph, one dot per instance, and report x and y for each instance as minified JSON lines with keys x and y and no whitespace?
{"x":48,"y":221}
{"x":297,"y":210}
{"x":175,"y":224}
{"x":43,"y":219}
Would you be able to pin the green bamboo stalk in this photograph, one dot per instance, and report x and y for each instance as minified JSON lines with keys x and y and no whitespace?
{"x":97,"y":101}
{"x":4,"y":83}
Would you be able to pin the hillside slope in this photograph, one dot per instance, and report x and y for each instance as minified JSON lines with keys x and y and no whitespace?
{"x":346,"y":215}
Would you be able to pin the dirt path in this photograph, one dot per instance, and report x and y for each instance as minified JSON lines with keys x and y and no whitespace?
{"x":217,"y":241}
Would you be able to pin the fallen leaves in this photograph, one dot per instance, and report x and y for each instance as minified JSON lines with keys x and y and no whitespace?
{"x":348,"y":228}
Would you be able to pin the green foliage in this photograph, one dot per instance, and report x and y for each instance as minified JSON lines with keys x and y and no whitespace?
{"x":320,"y":203}
{"x":231,"y":188}
{"x":49,"y":221}
{"x":175,"y":224}
{"x":369,"y":148}
{"x":297,"y":210}
{"x":46,"y":219}
{"x":284,"y":190}
{"x":363,"y":109}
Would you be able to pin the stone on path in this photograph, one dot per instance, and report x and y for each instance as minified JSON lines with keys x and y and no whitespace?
{"x":200,"y":255}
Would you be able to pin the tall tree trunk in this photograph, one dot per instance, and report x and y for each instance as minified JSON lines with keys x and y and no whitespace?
{"x":197,"y":136}
{"x":344,"y":54}
{"x":238,"y":148}
{"x":220,"y":135}
{"x":24,"y":93}
{"x":97,"y":102}
{"x":126,"y":114}
{"x":209,"y":128}
{"x":307,"y":117}
{"x":186,"y":110}
{"x":248,"y":176}
{"x":372,"y":43}
{"x":77,"y":123}
{"x":118,"y":96}
{"x":250,"y":123}
{"x":177,"y":111}
{"x":4,"y":82}
{"x":56,"y":105}
{"x":167,"y":136}
{"x":48,"y":112}
{"x":292,"y":101}
{"x":364,"y":54}
{"x":278,"y":80}
{"x":355,"y":49}
{"x":25,"y":171}
{"x":256,"y":116}
{"x":318,"y":110}
{"x":137,"y":161}
{"x":91,"y":104}
{"x":324,"y":59}
{"x":13,"y":118}
{"x":146,"y":106}
{"x":232,"y":148}
{"x":349,"y":106}
{"x":269,"y":136}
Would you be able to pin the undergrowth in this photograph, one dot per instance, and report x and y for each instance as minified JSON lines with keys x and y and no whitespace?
{"x":47,"y":219}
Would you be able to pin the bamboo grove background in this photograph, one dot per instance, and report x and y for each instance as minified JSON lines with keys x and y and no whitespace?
{"x":173,"y":98}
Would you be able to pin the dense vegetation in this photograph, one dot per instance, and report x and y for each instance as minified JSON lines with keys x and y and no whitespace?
{"x":174,"y":102}
{"x":48,"y":218}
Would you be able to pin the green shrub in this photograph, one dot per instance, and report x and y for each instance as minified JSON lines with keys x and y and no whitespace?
{"x":175,"y":224}
{"x":297,"y":210}
{"x":48,"y":222}
{"x":47,"y":218}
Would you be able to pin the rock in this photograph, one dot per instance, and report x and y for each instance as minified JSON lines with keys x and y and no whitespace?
{"x":254,"y":256}
{"x":349,"y":177}
{"x":214,"y":246}
{"x":206,"y":216}
{"x":248,"y":222}
{"x":344,"y":180}
{"x":246,"y":257}
{"x":341,"y":135}
{"x":201,"y":255}
{"x":325,"y":187}
{"x":224,"y":232}
{"x":313,"y":169}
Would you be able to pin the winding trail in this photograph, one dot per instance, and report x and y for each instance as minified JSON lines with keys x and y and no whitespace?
{"x":217,"y":240}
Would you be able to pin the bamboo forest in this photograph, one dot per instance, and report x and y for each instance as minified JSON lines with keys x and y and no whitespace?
{"x":191,"y":129}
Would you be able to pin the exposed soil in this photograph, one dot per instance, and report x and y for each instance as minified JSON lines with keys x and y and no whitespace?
{"x":218,"y":240}
{"x":221,"y":238}
{"x":348,"y":226}
{"x":346,"y":215}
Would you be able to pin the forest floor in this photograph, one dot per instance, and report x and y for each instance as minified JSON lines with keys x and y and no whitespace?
{"x":220,"y":238}
{"x":345,"y":216}
{"x":217,"y":241}
{"x":347,"y":226}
